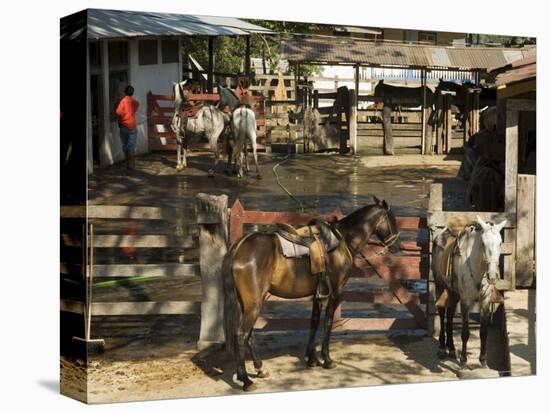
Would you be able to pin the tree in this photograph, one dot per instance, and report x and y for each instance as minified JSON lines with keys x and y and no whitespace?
{"x":229,"y":51}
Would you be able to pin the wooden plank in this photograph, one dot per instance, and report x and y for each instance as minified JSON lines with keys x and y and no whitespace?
{"x":440,"y":218}
{"x":525,"y":235}
{"x":120,"y":212}
{"x":511,"y":170}
{"x":528,"y":105}
{"x":132,"y":270}
{"x":133,"y":241}
{"x":378,"y":141}
{"x":134,"y":308}
{"x":353,"y":122}
{"x":510,"y":184}
{"x":410,"y":134}
{"x":344,"y":324}
{"x":396,"y":126}
{"x":435,"y":202}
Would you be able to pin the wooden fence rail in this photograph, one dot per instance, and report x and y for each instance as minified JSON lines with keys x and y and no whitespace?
{"x":103,"y":216}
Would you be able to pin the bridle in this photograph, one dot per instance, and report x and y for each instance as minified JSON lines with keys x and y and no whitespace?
{"x":386,"y":242}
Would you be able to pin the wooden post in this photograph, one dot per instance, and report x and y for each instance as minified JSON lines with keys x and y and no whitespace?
{"x":475,"y":111}
{"x":357,"y":86}
{"x":423,"y":138}
{"x":525,"y":241}
{"x":440,"y":125}
{"x":296,"y":78}
{"x":448,"y":122}
{"x":467,"y":104}
{"x":388,"y":132}
{"x":211,"y":212}
{"x":316,"y":99}
{"x":247,"y":57}
{"x":352,"y":121}
{"x":435,"y":204}
{"x":210,"y":74}
{"x":510,"y":188}
{"x":338,"y":109}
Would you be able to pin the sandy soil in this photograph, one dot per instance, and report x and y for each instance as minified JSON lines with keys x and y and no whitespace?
{"x":367,"y":361}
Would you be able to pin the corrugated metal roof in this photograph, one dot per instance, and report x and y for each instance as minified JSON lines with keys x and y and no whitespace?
{"x":519,"y":70}
{"x":122,"y":23}
{"x":331,"y":50}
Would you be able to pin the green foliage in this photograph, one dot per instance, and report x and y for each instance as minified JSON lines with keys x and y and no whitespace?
{"x":229,"y":52}
{"x":506,"y":41}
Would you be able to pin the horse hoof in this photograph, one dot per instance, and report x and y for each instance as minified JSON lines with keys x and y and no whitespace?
{"x":313,"y":362}
{"x":460,"y":374}
{"x":210,"y":173}
{"x":249,"y":386}
{"x":329,"y":365}
{"x":452,"y":354}
{"x":262,"y":374}
{"x":259,"y":177}
{"x":442,"y":354}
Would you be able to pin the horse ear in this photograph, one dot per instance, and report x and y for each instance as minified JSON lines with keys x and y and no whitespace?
{"x":376,"y":200}
{"x":385,"y":205}
{"x":501,"y":225}
{"x":481,"y":222}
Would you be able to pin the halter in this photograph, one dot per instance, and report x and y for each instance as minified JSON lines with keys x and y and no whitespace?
{"x":387,"y":242}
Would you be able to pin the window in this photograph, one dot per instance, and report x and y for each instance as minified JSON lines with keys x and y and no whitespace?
{"x":427,"y":37}
{"x":148,"y":52}
{"x":118,"y":54}
{"x":170,"y":50}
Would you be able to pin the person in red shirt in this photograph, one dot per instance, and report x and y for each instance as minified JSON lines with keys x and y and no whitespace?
{"x":126,"y":112}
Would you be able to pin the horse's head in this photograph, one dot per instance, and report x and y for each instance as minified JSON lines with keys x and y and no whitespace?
{"x":378,"y":89}
{"x":491,"y":242}
{"x":385,"y":225}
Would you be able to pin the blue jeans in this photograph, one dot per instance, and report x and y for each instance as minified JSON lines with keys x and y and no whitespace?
{"x":129,"y":139}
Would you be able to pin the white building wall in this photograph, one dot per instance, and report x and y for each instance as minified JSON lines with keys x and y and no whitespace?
{"x":155,"y":78}
{"x":337,"y":73}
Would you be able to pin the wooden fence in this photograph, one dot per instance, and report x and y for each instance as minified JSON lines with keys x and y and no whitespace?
{"x":117,"y":237}
{"x":388,"y":293}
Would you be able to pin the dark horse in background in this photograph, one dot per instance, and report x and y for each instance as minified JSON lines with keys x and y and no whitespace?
{"x":391,"y":98}
{"x":255,"y":266}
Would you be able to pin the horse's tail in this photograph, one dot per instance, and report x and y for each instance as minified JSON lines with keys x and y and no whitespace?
{"x":232,"y":313}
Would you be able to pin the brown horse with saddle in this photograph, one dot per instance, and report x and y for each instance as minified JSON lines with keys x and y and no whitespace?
{"x":261,"y":263}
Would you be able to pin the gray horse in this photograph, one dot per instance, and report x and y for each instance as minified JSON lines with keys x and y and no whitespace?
{"x":208,"y":121}
{"x":465,"y":264}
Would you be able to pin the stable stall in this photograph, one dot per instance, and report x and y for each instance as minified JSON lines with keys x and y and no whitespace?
{"x":427,"y":61}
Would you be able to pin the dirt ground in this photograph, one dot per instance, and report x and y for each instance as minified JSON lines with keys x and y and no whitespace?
{"x":372,"y":360}
{"x":140,"y":365}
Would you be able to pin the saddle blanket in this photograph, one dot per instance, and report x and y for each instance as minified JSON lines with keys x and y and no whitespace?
{"x":292,"y":250}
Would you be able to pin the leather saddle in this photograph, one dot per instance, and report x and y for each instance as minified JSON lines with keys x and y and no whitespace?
{"x":314,"y":241}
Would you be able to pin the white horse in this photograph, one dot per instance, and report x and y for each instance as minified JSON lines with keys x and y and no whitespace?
{"x":243,"y":125}
{"x":209,"y":121}
{"x":465,"y":265}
